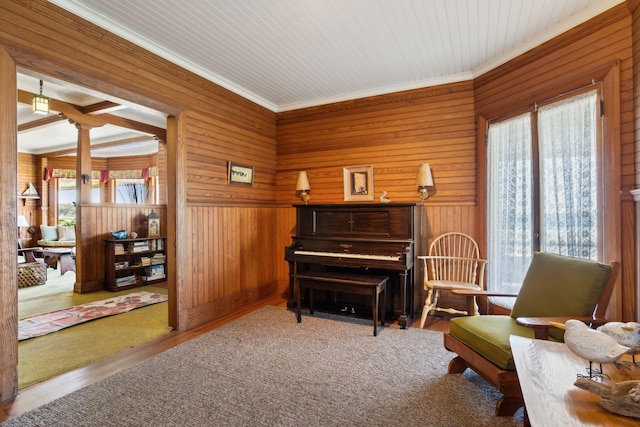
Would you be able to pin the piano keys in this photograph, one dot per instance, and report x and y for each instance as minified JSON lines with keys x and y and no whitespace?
{"x":364,"y":239}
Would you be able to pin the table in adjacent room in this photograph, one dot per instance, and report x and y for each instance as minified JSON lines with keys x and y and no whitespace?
{"x":65,"y":255}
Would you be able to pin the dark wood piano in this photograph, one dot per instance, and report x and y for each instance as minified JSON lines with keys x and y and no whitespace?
{"x":372,"y":238}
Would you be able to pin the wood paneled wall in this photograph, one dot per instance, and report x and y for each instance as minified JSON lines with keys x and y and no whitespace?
{"x":212,"y":126}
{"x":28,"y":167}
{"x":597,"y":50}
{"x":222,"y":236}
{"x":394,"y":133}
{"x":213,"y":144}
{"x":634,"y":8}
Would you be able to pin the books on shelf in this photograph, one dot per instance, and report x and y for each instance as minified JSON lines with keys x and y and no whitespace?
{"x":156,"y":244}
{"x":121,"y":265}
{"x":145,"y":245}
{"x":136,"y":262}
{"x":158,"y":258}
{"x":138,"y":246}
{"x":126,"y":280}
{"x":154,"y":272}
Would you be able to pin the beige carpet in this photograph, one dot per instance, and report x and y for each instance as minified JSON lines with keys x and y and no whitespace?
{"x":53,"y":354}
{"x":265,"y":369}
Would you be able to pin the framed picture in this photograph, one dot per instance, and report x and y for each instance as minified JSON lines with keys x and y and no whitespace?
{"x":358,"y":183}
{"x":240,"y":174}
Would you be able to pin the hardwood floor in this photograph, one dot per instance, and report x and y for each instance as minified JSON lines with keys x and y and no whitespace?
{"x":39,"y":394}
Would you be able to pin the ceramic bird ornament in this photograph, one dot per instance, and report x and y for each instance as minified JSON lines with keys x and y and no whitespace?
{"x":627,"y":334}
{"x":590,"y":344}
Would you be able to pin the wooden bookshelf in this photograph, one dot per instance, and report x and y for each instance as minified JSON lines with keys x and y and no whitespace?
{"x":131,"y":263}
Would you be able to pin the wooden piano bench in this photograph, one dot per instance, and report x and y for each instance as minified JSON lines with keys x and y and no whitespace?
{"x":343,"y":282}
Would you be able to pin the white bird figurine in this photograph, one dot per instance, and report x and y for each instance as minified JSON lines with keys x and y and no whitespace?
{"x":590,"y":344}
{"x":627,"y":334}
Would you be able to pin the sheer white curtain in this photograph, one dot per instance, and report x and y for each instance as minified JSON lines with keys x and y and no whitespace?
{"x":568,"y":177}
{"x":510,"y":197}
{"x":568,"y":196}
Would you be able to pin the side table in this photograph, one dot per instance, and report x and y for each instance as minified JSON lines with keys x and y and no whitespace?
{"x":547,"y":371}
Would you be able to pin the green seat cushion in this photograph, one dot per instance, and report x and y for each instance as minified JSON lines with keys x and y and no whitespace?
{"x":489,"y":336}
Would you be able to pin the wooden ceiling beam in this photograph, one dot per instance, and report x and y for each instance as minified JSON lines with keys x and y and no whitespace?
{"x":72,"y":112}
{"x":89,"y":115}
{"x":115,"y":143}
{"x":159,"y":133}
{"x":101,"y":107}
{"x":40,"y":123}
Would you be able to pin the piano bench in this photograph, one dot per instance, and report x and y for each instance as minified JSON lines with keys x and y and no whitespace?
{"x":343,"y":282}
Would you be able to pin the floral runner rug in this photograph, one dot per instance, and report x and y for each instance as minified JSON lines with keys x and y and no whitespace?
{"x":43,"y":324}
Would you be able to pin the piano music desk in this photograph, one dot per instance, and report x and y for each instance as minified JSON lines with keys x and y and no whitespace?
{"x":343,"y":282}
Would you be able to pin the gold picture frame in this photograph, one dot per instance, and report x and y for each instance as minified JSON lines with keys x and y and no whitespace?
{"x":240,"y":174}
{"x":358,"y":183}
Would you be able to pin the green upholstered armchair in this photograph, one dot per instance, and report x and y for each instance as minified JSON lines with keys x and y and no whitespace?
{"x":555,"y":288}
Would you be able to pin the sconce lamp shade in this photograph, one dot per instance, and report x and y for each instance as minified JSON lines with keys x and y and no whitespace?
{"x":303,"y":182}
{"x":40,"y":103}
{"x":303,"y":186}
{"x":424,"y":178}
{"x":22,"y":221}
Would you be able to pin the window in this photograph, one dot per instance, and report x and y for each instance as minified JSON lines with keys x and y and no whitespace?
{"x":543,"y":190}
{"x":135,"y":191}
{"x":67,"y":199}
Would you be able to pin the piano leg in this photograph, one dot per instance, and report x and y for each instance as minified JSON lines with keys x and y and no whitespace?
{"x":403,"y":319}
{"x":291,"y":303}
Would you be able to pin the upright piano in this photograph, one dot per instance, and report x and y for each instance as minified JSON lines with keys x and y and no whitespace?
{"x":363,"y":238}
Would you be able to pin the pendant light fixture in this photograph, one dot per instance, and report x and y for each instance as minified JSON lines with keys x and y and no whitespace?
{"x":40,"y":103}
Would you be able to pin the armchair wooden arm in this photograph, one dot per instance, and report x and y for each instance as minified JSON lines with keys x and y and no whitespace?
{"x":541,"y":325}
{"x":470,"y":294}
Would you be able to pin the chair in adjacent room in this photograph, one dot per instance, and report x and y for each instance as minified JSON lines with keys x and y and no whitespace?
{"x":555,"y":288}
{"x":453,"y":263}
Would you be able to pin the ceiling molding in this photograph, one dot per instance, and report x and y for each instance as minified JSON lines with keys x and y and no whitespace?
{"x":384,"y":36}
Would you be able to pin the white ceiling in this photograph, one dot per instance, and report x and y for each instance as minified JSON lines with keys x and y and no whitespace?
{"x":288,"y":54}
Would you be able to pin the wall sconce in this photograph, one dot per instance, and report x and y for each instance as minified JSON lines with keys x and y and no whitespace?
{"x":40,"y":103}
{"x":424,"y":180}
{"x":303,"y":186}
{"x":86,"y":178}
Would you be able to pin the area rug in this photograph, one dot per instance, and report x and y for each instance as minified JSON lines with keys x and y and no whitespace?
{"x":266,"y":369}
{"x":36,"y":326}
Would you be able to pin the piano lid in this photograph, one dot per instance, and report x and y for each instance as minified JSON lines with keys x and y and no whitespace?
{"x":372,"y":221}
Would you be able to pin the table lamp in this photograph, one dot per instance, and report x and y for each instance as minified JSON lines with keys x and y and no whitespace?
{"x":22,"y":222}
